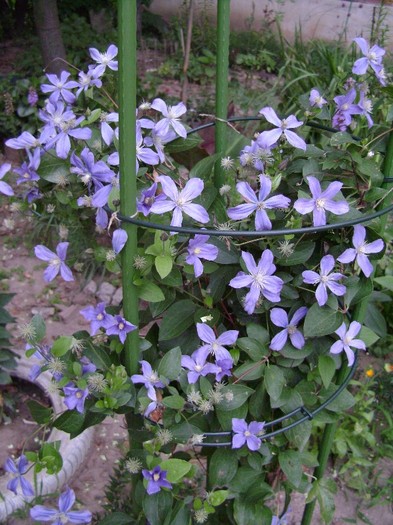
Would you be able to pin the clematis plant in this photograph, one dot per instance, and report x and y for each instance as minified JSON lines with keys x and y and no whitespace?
{"x":239,"y":322}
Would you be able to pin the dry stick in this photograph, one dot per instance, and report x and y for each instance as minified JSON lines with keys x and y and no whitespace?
{"x":184,"y":91}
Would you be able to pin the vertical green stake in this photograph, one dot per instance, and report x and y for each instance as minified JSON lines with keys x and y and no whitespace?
{"x":223,"y":15}
{"x":127,"y":151}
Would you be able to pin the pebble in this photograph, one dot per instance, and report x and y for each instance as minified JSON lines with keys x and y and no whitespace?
{"x":91,"y":287}
{"x":118,"y":297}
{"x":45,"y":311}
{"x":105,"y":292}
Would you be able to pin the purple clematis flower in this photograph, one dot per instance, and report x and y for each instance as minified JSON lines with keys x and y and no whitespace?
{"x":246,"y":434}
{"x":171,"y":116}
{"x":104,"y":60}
{"x":149,"y":379}
{"x":119,"y":240}
{"x":321,"y":201}
{"x":199,"y":249}
{"x":146,"y":155}
{"x":361,"y":250}
{"x":260,"y":280}
{"x":63,"y":514}
{"x":156,"y":480}
{"x":59,"y":87}
{"x":19,"y":468}
{"x":279,"y":317}
{"x":88,"y":80}
{"x":347,"y":340}
{"x":325,"y":280}
{"x":345,"y":109}
{"x":107,"y":133}
{"x":119,"y":326}
{"x":97,"y":316}
{"x":32,"y":195}
{"x":180,"y":201}
{"x":90,"y":171}
{"x":257,"y":203}
{"x":75,"y":397}
{"x":5,"y":188}
{"x":27,"y":141}
{"x":283,"y":128}
{"x":316,"y":99}
{"x":147,"y":198}
{"x":224,"y":368}
{"x":28,"y":170}
{"x":372,"y":57}
{"x":366,"y":107}
{"x":216,"y":345}
{"x":197,"y":365}
{"x":55,"y":260}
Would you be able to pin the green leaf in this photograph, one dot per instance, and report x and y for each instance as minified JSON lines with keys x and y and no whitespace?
{"x":222,"y":468}
{"x":321,"y":320}
{"x":39,"y":413}
{"x":150,"y":292}
{"x":258,"y":332}
{"x":274,"y":381}
{"x":302,"y":253}
{"x":38,"y":323}
{"x":50,"y":458}
{"x":170,"y":364}
{"x":235,"y":396}
{"x":218,"y":497}
{"x":176,"y":469}
{"x":176,"y":319}
{"x":53,"y":169}
{"x":327,"y":368}
{"x":249,"y":513}
{"x":70,"y":421}
{"x":343,"y":402}
{"x":180,"y":144}
{"x":175,"y":402}
{"x":163,"y":264}
{"x":115,"y":518}
{"x":342,"y":137}
{"x":298,"y":436}
{"x":290,"y":462}
{"x":203,"y":168}
{"x":97,"y":356}
{"x":61,"y":345}
{"x":368,"y":336}
{"x":249,"y":371}
{"x":386,"y":282}
{"x":180,"y":515}
{"x":253,"y":348}
{"x":157,"y":506}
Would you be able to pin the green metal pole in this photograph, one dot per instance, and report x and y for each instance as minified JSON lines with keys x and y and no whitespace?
{"x":223,"y":14}
{"x":388,"y":172}
{"x":127,"y":151}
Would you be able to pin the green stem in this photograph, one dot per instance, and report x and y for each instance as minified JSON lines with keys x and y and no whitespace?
{"x":223,"y":13}
{"x":388,"y":172}
{"x":127,"y":151}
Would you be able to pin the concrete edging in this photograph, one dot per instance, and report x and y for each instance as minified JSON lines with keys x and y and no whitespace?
{"x":73,"y":451}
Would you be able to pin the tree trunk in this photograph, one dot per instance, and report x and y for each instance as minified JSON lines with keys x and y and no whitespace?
{"x":48,"y":29}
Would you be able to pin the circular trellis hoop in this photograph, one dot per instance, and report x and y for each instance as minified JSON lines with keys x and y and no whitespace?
{"x":256,"y":233}
{"x":305,"y":414}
